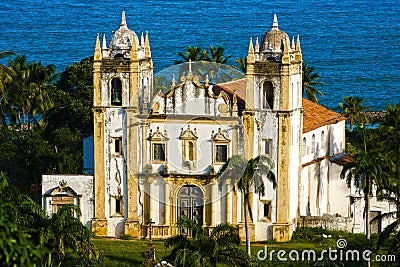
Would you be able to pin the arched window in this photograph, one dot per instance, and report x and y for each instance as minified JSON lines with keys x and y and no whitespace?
{"x":268,"y":95}
{"x":323,"y":140}
{"x":313,"y":144}
{"x":304,"y":148}
{"x":116,"y":92}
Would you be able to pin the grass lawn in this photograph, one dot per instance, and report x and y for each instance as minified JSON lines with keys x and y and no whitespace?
{"x":115,"y":252}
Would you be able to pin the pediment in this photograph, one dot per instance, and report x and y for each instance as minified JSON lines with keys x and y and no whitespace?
{"x":188,"y":134}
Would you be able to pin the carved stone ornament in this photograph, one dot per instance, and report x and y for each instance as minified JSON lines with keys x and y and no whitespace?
{"x":188,"y":134}
{"x":158,"y":135}
{"x":220,"y":136}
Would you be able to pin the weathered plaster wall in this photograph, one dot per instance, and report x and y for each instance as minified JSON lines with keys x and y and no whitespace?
{"x":81,"y":184}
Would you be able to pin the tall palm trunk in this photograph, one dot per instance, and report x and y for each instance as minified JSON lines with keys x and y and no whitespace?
{"x":246,"y":227}
{"x":367,"y":208}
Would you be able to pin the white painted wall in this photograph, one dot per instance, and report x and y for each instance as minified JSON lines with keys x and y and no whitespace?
{"x":81,"y":184}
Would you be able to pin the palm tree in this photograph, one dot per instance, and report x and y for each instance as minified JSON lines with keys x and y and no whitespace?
{"x":200,"y":249}
{"x":242,"y":61}
{"x":389,"y":189}
{"x":216,"y":55}
{"x":245,"y":175}
{"x":6,"y":73}
{"x":310,"y":81}
{"x":39,"y":80}
{"x":368,"y":169}
{"x":353,"y":110}
{"x":19,"y":95}
{"x":215,"y":69}
{"x":192,"y":53}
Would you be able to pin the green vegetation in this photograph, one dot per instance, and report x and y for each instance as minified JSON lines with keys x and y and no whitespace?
{"x":63,"y":103}
{"x":310,"y":83}
{"x":131,"y":253}
{"x":376,"y":163}
{"x":194,"y":247}
{"x":247,"y":174}
{"x":28,"y":237}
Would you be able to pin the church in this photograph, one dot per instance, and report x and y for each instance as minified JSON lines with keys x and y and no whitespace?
{"x":156,"y":153}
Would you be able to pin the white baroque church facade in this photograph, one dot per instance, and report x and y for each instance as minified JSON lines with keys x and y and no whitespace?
{"x":156,"y":156}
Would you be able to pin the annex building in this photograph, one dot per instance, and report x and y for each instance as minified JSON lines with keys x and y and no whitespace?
{"x":156,"y":155}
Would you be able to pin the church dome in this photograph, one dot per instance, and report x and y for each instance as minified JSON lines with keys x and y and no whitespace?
{"x":123,"y":37}
{"x":273,"y":41}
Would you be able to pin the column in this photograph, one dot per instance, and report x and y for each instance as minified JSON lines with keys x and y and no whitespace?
{"x":99,"y":224}
{"x":228,"y":197}
{"x":167,"y":203}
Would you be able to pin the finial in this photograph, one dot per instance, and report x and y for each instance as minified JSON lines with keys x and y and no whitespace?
{"x":286,"y":55}
{"x":190,"y":66}
{"x":173,"y":81}
{"x":275,"y":22}
{"x":104,"y":42}
{"x":292,"y":47}
{"x":123,"y":20}
{"x":235,"y":106}
{"x":257,"y":48}
{"x":97,"y":49}
{"x":142,"y":40}
{"x":298,"y":55}
{"x":147,"y":52}
{"x":250,"y":54}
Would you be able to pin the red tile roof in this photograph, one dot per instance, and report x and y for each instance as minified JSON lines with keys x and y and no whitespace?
{"x":314,"y":116}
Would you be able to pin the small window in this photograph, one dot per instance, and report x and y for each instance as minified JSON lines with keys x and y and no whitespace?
{"x":304,"y":148}
{"x":267,"y":210}
{"x":221,"y":153}
{"x":159,"y":152}
{"x":191,"y":151}
{"x":117,"y":146}
{"x":323,"y":140}
{"x":268,"y":147}
{"x":313,"y":144}
{"x":117,"y":205}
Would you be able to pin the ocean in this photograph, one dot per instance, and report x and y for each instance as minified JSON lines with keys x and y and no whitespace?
{"x":353,"y":45}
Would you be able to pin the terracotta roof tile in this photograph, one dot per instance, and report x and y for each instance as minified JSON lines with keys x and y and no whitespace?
{"x":316,"y":116}
{"x":236,"y":85}
{"x":342,"y":159}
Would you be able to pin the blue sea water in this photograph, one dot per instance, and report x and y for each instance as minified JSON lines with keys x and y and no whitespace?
{"x":354,"y":45}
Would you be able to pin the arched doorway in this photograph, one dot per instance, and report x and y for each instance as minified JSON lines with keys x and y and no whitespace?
{"x":190,"y":203}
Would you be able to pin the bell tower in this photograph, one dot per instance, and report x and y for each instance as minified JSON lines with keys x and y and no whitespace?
{"x":274,"y":111}
{"x":122,"y":76}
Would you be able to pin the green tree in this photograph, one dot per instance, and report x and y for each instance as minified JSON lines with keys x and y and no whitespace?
{"x":216,"y":54}
{"x":31,"y":238}
{"x":73,"y":100}
{"x":6,"y":73}
{"x":19,"y":93}
{"x":353,"y":110}
{"x":242,"y":61}
{"x":389,"y":188}
{"x":39,"y":80}
{"x":310,"y":83}
{"x":196,"y":248}
{"x":244,"y":175}
{"x":193,"y":53}
{"x":24,"y":156}
{"x":368,"y":169}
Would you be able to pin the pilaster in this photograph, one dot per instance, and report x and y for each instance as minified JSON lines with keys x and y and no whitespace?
{"x":99,"y":225}
{"x":282,"y":229}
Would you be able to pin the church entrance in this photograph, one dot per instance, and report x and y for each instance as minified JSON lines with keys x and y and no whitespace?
{"x":190,"y":203}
